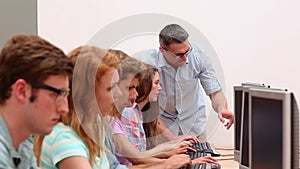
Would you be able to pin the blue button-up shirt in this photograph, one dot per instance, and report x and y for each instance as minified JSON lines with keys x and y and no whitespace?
{"x":8,"y":152}
{"x":182,"y":100}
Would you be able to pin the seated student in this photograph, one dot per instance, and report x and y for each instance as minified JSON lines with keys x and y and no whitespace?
{"x":79,"y":140}
{"x":122,"y":135}
{"x":70,"y":145}
{"x":34,"y":87}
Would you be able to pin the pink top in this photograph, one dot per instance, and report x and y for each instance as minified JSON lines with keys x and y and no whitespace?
{"x":118,"y":128}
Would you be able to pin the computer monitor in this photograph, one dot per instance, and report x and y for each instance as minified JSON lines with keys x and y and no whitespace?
{"x":244,"y":141}
{"x":238,"y":99}
{"x":241,"y":119}
{"x":273,"y":129}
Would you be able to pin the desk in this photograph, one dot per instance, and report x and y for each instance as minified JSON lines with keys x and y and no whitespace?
{"x":226,"y":158}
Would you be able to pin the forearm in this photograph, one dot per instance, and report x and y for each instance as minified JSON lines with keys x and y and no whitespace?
{"x":149,"y":160}
{"x":219,"y":102}
{"x":165,"y":132}
{"x":124,"y":147}
{"x":175,"y":161}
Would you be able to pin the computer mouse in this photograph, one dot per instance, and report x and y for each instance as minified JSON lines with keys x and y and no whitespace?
{"x":215,"y":166}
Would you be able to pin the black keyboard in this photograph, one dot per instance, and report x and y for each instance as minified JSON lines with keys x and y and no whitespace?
{"x":203,"y":149}
{"x":206,"y":148}
{"x":204,"y":166}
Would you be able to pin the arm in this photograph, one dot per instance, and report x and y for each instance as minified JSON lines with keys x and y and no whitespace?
{"x":164,"y":130}
{"x":175,"y":161}
{"x":206,"y":159}
{"x":65,"y":149}
{"x":178,"y":146}
{"x":124,"y":147}
{"x":74,"y":162}
{"x":219,"y":104}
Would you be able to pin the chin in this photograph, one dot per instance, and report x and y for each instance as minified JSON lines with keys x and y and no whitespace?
{"x":45,"y":132}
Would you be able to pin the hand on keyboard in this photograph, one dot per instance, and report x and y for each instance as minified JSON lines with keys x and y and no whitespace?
{"x":187,"y":137}
{"x":206,"y":148}
{"x":204,"y":162}
{"x":204,"y":159}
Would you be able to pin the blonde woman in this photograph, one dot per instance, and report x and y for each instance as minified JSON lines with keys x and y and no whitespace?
{"x":75,"y":141}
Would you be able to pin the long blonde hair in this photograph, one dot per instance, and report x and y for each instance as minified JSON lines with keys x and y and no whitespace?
{"x":91,"y":63}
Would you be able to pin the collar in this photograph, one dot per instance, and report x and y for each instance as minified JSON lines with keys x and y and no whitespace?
{"x":4,"y":133}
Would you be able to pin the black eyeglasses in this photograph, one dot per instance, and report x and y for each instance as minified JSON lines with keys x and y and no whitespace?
{"x":61,"y":94}
{"x":180,"y":55}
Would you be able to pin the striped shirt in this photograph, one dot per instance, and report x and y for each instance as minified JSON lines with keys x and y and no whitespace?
{"x":64,"y":142}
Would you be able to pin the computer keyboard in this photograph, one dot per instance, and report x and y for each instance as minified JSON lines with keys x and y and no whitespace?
{"x":202,"y":166}
{"x":206,"y":147}
{"x":203,"y":149}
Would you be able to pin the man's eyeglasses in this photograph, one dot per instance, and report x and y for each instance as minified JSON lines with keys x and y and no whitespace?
{"x":180,"y":55}
{"x":61,"y":94}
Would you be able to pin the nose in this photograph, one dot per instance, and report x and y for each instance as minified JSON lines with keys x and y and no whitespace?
{"x":63,"y":106}
{"x":159,"y":87}
{"x":117,"y":93}
{"x":184,"y":57}
{"x":136,"y":93}
{"x":133,"y":95}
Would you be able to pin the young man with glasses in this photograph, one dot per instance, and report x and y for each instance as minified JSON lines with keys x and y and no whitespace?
{"x":184,"y":70}
{"x":34,"y":76}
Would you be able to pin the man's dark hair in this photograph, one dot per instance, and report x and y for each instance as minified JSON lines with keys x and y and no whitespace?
{"x":31,"y":58}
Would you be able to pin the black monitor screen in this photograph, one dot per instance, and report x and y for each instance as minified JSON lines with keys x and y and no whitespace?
{"x":245,"y":133}
{"x":238,"y":96}
{"x":267,"y":133}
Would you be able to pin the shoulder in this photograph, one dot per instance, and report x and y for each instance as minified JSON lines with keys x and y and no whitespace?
{"x":62,"y":143}
{"x":149,"y":56}
{"x":112,"y":120}
{"x":199,"y":52}
{"x":129,"y":113}
{"x":116,"y":124}
{"x":63,"y":135}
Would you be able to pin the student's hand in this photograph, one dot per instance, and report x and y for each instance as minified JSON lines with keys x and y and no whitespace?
{"x":188,"y":137}
{"x":177,"y":161}
{"x":174,"y":147}
{"x":171,"y":145}
{"x":226,"y":114}
{"x":206,"y":159}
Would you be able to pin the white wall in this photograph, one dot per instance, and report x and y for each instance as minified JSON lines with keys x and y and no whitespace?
{"x":256,"y":41}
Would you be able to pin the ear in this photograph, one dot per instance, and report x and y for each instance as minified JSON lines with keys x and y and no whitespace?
{"x":161,"y":49}
{"x":21,"y":90}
